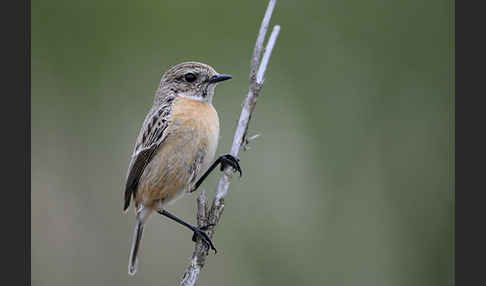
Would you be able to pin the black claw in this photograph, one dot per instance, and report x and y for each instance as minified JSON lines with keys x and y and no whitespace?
{"x":204,"y":237}
{"x":223,"y":161}
{"x":232,"y":161}
{"x":198,"y":231}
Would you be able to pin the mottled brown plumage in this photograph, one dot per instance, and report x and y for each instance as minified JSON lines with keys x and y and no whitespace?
{"x":176,"y":143}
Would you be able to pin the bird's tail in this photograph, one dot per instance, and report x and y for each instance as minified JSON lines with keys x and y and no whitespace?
{"x":137,"y":238}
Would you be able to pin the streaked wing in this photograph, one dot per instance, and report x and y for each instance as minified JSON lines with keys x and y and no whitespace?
{"x":152,"y":134}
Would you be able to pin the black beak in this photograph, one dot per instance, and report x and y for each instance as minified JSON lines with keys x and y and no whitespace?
{"x":219,"y":77}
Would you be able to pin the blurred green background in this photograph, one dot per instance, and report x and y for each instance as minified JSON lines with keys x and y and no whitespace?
{"x":350,"y":183}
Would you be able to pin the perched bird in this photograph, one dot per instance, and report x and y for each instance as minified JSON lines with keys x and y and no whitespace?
{"x":176,"y":144}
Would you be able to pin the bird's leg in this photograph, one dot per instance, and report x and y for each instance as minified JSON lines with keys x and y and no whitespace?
{"x":224,"y":160}
{"x":198,"y":231}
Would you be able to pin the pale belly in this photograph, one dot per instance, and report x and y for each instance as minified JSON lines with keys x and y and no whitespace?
{"x":183,"y":157}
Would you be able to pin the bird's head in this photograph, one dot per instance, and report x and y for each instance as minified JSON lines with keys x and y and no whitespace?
{"x":192,"y":80}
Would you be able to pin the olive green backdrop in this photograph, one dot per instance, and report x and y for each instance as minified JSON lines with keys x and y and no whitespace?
{"x":350,"y":183}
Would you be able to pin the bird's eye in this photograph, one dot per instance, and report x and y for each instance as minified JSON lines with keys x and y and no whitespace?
{"x":190,"y":77}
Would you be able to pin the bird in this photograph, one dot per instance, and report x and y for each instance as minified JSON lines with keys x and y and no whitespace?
{"x":174,"y":149}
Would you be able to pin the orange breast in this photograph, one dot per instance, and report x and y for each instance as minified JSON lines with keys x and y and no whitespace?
{"x":193,"y":130}
{"x":197,"y":113}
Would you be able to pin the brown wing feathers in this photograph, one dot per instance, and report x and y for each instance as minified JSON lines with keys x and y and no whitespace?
{"x":151,"y":136}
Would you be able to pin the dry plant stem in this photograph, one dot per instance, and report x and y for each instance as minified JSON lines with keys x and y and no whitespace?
{"x":257,"y":73}
{"x":200,"y":252}
{"x":257,"y":51}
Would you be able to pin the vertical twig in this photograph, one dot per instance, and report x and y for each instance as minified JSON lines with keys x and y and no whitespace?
{"x":200,"y":252}
{"x":257,"y":74}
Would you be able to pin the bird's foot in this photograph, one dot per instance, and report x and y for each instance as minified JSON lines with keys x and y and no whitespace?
{"x":200,"y":232}
{"x":230,"y":160}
